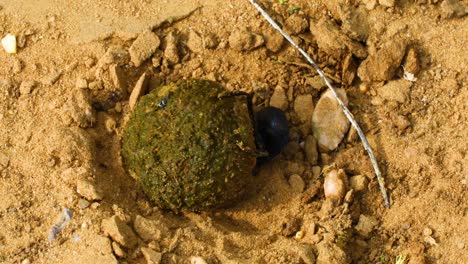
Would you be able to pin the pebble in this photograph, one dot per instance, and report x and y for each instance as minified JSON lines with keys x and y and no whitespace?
{"x":304,"y":107}
{"x":83,"y":204}
{"x":26,"y":87}
{"x":316,"y":170}
{"x":243,"y":40}
{"x":117,"y":76}
{"x":171,"y":52}
{"x":411,"y":63}
{"x":138,"y":90}
{"x":310,"y":148}
{"x":279,"y":99}
{"x":17,"y":66}
{"x":382,"y":65}
{"x":81,"y":83}
{"x":370,"y":4}
{"x":9,"y":43}
{"x":349,"y":67}
{"x":366,"y":225}
{"x":210,"y":41}
{"x":88,"y":190}
{"x":335,"y":185}
{"x":195,"y":42}
{"x":118,"y":251}
{"x":334,"y":42}
{"x":26,"y":261}
{"x":143,"y":47}
{"x":427,"y":231}
{"x":273,"y":40}
{"x":329,"y":124}
{"x":151,"y":256}
{"x":296,"y":183}
{"x":296,"y":24}
{"x":349,"y":197}
{"x":150,"y":229}
{"x":119,"y":231}
{"x":358,"y":182}
{"x":395,"y":90}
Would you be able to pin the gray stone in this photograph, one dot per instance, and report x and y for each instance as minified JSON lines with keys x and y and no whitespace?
{"x":329,"y":124}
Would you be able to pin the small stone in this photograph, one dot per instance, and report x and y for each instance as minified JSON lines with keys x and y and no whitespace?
{"x":210,"y":41}
{"x":304,"y":108}
{"x":299,"y":234}
{"x":197,"y":260}
{"x":150,"y":229}
{"x":118,"y":251}
{"x":411,"y":62}
{"x":273,"y":40}
{"x":296,"y":183}
{"x":243,"y":40}
{"x":26,"y":261}
{"x":296,"y":24}
{"x":279,"y":99}
{"x":17,"y":66}
{"x":334,"y":42}
{"x":395,"y":90}
{"x":349,"y":196}
{"x":430,"y":240}
{"x":335,"y":185}
{"x":349,"y":70}
{"x":453,"y":8}
{"x":330,"y":253}
{"x":366,"y":225}
{"x":315,"y":82}
{"x":195,"y":42}
{"x":316,"y":170}
{"x":88,"y":190}
{"x":138,"y":90}
{"x":151,"y":256}
{"x":9,"y":43}
{"x":119,"y":231}
{"x":143,"y":47}
{"x":329,"y":124}
{"x":81,"y":83}
{"x":382,"y":65}
{"x":171,"y":52}
{"x":83,"y":204}
{"x":118,"y":79}
{"x":427,"y":231}
{"x":26,"y":87}
{"x":387,"y":3}
{"x":311,"y":151}
{"x":358,"y":182}
{"x":118,"y":107}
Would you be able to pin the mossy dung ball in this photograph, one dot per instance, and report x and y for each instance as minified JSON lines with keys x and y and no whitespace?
{"x":190,"y":145}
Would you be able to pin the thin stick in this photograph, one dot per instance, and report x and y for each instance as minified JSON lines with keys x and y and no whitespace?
{"x":346,"y":111}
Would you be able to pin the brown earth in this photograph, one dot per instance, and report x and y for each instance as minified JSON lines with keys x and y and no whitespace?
{"x":64,"y":99}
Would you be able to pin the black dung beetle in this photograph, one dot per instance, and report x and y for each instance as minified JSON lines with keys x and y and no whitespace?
{"x":271,"y":132}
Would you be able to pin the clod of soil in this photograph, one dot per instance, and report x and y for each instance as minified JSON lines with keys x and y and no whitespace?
{"x":190,"y":145}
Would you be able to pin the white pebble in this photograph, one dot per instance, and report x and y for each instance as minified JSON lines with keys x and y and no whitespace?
{"x":9,"y":43}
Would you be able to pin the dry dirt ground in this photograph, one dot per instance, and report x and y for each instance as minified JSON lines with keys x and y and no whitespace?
{"x":64,"y":97}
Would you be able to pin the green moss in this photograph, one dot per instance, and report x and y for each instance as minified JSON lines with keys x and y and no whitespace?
{"x":193,"y":153}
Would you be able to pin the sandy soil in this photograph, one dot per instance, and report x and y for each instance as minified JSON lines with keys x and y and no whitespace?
{"x":64,"y":99}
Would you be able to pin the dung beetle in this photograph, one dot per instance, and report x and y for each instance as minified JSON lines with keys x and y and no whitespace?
{"x":271,"y":132}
